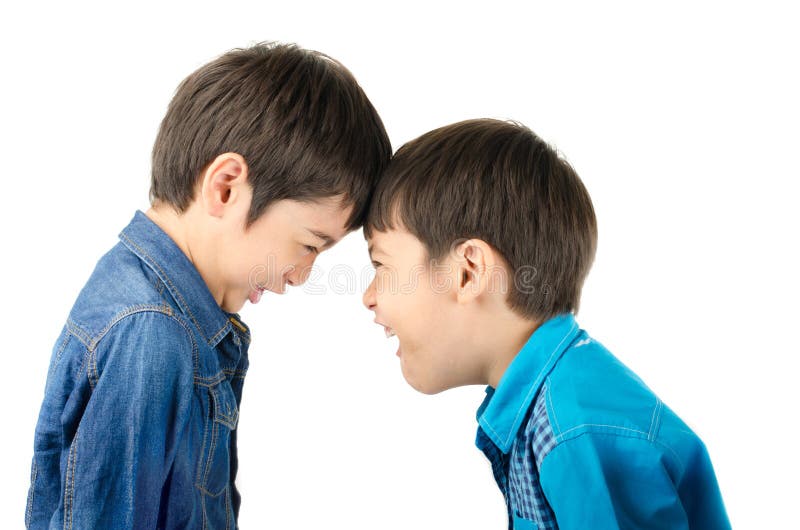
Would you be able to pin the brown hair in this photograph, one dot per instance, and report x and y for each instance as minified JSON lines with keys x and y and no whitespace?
{"x":499,"y":182}
{"x":299,"y":118}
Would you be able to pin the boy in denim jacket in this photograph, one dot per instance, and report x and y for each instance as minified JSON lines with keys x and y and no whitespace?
{"x":266,"y":157}
{"x":482,"y":237}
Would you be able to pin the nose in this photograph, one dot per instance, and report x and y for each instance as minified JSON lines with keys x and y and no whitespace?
{"x":369,"y":299}
{"x":298,"y":274}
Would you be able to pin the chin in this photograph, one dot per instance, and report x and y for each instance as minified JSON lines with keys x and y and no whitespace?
{"x":424,"y":387}
{"x":430,"y":392}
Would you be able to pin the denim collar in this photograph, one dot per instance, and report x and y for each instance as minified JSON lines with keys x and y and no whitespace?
{"x":503,"y":410}
{"x":153,"y":246}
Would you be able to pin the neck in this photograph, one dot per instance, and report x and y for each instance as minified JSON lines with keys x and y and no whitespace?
{"x":513,"y":332}
{"x":174,"y":225}
{"x":177,"y":227}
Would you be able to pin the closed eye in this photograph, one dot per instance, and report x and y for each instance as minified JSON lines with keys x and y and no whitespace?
{"x":313,"y":250}
{"x":376,"y":264}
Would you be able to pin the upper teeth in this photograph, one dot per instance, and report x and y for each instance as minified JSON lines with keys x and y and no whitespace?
{"x":389,"y":332}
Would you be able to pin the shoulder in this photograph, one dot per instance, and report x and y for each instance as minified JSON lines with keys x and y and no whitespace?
{"x":592,"y":396}
{"x":148,"y":344}
{"x":591,"y":390}
{"x":120,"y":285}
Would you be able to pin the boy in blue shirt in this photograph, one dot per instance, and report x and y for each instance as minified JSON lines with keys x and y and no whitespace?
{"x":266,"y":156}
{"x":481,"y":237}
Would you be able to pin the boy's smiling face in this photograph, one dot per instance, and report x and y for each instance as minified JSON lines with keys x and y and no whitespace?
{"x":417,"y":301}
{"x":278,"y":249}
{"x":238,"y":263}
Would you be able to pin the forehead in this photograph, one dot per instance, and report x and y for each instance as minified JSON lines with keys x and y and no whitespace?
{"x":326,"y":216}
{"x":397,"y":242}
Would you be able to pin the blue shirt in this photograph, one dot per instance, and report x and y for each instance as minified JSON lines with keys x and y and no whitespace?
{"x":576,"y":440}
{"x":138,"y":424}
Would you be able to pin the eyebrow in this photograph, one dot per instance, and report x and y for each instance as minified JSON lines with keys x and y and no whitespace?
{"x":329,"y":241}
{"x":374,"y":248}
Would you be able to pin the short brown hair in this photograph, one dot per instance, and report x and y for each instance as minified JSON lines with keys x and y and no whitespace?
{"x":299,"y":118}
{"x":499,"y":182}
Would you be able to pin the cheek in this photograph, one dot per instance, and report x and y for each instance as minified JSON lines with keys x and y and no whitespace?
{"x":250,"y":270}
{"x":423,"y":319}
{"x":233,"y":264}
{"x":412,"y":307}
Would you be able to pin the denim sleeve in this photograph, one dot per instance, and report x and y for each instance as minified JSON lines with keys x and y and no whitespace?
{"x":612,"y":481}
{"x":127,"y":437}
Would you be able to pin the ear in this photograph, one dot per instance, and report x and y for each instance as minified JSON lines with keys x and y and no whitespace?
{"x":224,"y":184}
{"x":474,"y":259}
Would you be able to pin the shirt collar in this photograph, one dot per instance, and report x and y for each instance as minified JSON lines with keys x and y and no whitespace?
{"x":153,"y":246}
{"x":503,"y":410}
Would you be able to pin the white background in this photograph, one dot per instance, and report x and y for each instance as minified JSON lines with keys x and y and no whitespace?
{"x":682,"y":121}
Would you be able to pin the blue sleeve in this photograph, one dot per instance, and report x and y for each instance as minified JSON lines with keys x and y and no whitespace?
{"x":610,"y":481}
{"x":142,"y":379}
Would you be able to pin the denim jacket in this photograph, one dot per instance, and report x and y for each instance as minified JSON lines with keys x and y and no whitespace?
{"x":138,"y":424}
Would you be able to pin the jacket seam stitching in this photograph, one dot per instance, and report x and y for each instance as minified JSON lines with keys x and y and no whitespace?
{"x":83,"y":366}
{"x":203,"y":506}
{"x":219,"y":334}
{"x":654,"y":422}
{"x":211,"y":450}
{"x":227,"y":508}
{"x":204,"y":455}
{"x":31,"y":494}
{"x":63,"y":345}
{"x":145,"y":308}
{"x":627,"y":434}
{"x":132,"y":310}
{"x":77,"y":331}
{"x":549,"y":399}
{"x":634,"y":433}
{"x":219,"y":377}
{"x":69,"y":486}
{"x":91,"y":368}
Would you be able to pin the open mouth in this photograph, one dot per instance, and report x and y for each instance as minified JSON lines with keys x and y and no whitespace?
{"x":389,"y":331}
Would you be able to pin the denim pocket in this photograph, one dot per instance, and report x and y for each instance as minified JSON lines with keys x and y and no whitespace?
{"x":216,"y":472}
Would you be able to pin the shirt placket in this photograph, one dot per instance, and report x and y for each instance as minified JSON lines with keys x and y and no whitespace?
{"x":499,"y":462}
